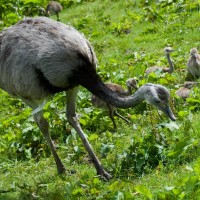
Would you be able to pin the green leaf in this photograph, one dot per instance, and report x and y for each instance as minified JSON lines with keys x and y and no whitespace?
{"x":83,"y":121}
{"x":12,"y":16}
{"x":105,"y":149}
{"x":140,"y":161}
{"x":77,"y":149}
{"x":169,"y":188}
{"x":192,"y":100}
{"x":88,"y":110}
{"x":196,"y":167}
{"x":93,"y":137}
{"x":172,"y":126}
{"x":144,"y":190}
{"x":118,"y":196}
{"x":176,"y":191}
{"x":182,"y":195}
{"x":10,"y":136}
{"x":113,"y":185}
{"x":180,"y":147}
{"x":96,"y":181}
{"x":191,"y":182}
{"x":77,"y":191}
{"x":46,"y":115}
{"x":182,"y":114}
{"x":32,"y":1}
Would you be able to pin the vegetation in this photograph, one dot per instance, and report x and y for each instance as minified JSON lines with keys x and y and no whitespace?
{"x":152,"y":159}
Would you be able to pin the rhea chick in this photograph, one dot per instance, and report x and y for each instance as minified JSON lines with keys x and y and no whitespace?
{"x":185,"y":91}
{"x":53,"y":8}
{"x":130,"y":83}
{"x":193,"y":64}
{"x":169,"y":69}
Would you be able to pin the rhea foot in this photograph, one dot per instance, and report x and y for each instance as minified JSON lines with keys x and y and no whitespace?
{"x":104,"y":175}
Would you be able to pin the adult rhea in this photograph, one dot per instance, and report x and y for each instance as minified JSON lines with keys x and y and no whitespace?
{"x":40,"y":57}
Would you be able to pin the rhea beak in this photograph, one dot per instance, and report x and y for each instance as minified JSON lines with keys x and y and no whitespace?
{"x":169,"y":113}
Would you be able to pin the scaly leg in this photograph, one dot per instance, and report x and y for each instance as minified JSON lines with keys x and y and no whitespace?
{"x":120,"y":116}
{"x":44,"y":128}
{"x":58,"y":18}
{"x":113,"y":112}
{"x":71,"y":116}
{"x":111,"y":115}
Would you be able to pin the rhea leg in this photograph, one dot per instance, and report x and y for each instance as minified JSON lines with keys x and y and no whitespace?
{"x":44,"y":128}
{"x":58,"y":18}
{"x":111,"y":115}
{"x":71,"y":116}
{"x":113,"y":112}
{"x":120,"y":116}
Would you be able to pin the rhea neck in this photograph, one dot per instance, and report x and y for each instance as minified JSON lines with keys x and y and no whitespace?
{"x":100,"y":90}
{"x":116,"y":100}
{"x":171,"y":66}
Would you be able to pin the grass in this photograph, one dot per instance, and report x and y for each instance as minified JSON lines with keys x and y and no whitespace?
{"x":126,"y":40}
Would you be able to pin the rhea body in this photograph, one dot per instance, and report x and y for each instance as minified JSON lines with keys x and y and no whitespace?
{"x":193,"y":64}
{"x":40,"y":57}
{"x":131,"y":84}
{"x":54,"y":8}
{"x":169,"y":69}
{"x":185,"y":91}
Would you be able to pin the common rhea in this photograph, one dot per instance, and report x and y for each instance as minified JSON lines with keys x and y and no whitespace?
{"x":169,"y":69}
{"x":53,"y":8}
{"x":193,"y":64}
{"x":40,"y":57}
{"x":185,"y":91}
{"x":131,"y":84}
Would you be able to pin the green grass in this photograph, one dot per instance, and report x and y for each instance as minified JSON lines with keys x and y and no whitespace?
{"x":126,"y":41}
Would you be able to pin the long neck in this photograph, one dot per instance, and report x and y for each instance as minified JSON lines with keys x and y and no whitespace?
{"x":99,"y":89}
{"x":86,"y":76}
{"x":171,"y":66}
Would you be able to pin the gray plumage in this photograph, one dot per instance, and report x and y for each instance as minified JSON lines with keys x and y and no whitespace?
{"x":40,"y":57}
{"x":193,"y":64}
{"x":54,"y":8}
{"x":131,"y":84}
{"x":169,"y":69}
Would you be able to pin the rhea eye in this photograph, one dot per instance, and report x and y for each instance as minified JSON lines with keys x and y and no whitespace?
{"x":157,"y":101}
